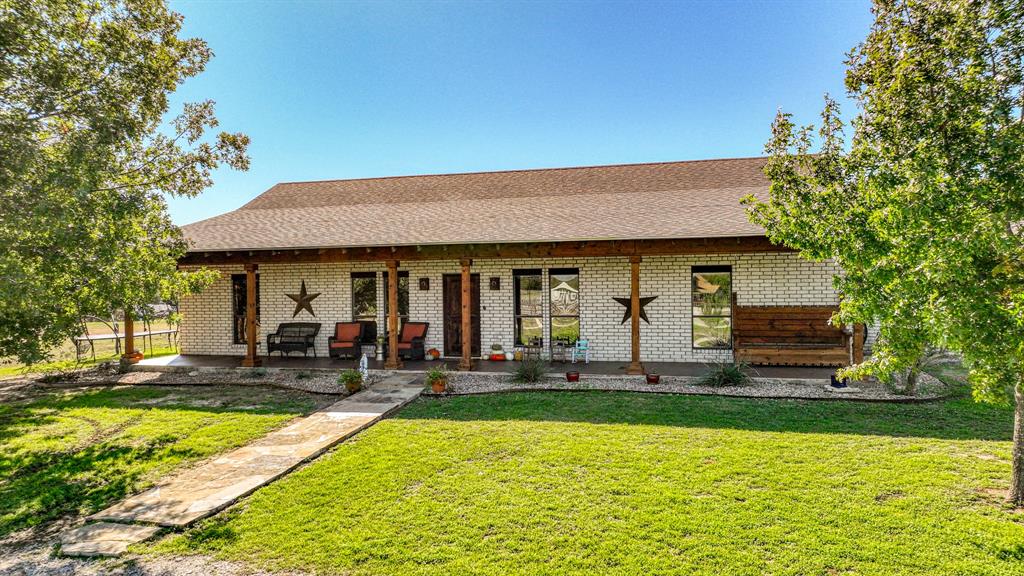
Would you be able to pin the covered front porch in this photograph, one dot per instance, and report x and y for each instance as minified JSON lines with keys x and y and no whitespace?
{"x":593,"y":368}
{"x":641,"y":305}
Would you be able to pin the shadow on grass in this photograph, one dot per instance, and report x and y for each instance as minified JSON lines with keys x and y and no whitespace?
{"x":44,"y":488}
{"x":954,"y":419}
{"x":103,"y":461}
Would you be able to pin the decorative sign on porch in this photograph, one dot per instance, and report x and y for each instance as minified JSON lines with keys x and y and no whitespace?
{"x":303,"y":300}
{"x":644,"y":301}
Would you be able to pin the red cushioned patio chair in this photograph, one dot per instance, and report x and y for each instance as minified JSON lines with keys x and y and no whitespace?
{"x":411,"y":340}
{"x":346,"y":340}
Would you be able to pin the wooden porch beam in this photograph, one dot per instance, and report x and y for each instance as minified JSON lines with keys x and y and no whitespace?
{"x":635,"y":367}
{"x":858,"y":343}
{"x":590,"y":248}
{"x":252,"y":327}
{"x":393,"y":362}
{"x":129,"y":339}
{"x":466,"y":362}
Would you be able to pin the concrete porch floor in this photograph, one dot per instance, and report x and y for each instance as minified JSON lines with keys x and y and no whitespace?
{"x":606,"y":368}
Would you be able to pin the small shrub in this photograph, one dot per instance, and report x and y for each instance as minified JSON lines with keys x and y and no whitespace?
{"x":530,"y":371}
{"x":255,"y":372}
{"x":725,"y":374}
{"x":303,"y":375}
{"x":352,"y":380}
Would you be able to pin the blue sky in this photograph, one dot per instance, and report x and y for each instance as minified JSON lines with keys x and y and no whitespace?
{"x":351,"y":90}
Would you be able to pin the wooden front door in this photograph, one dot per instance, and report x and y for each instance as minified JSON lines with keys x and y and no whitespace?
{"x":453,"y":314}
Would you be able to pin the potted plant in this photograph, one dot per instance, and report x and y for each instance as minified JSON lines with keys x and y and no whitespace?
{"x":653,"y":377}
{"x":497,"y":353}
{"x":437,"y":378}
{"x":572,"y":376}
{"x":352,"y":380}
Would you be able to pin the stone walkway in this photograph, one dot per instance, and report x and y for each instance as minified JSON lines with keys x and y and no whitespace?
{"x":203,"y":491}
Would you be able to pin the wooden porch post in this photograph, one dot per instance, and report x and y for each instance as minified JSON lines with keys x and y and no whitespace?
{"x":466,"y":362}
{"x":858,"y":343}
{"x":252,"y":330}
{"x":392,"y":362}
{"x":635,"y":367}
{"x":129,"y":339}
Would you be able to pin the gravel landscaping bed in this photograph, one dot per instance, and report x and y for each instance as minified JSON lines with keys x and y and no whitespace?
{"x":325,"y":381}
{"x":317,"y":381}
{"x":810,"y":389}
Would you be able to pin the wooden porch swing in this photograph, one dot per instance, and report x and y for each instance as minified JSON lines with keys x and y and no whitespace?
{"x":793,"y":336}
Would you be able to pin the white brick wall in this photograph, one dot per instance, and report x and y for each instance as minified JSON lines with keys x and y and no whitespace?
{"x":758,"y":279}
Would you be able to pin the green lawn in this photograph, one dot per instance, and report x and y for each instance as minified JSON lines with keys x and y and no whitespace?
{"x":79,"y":451}
{"x":620,"y":483}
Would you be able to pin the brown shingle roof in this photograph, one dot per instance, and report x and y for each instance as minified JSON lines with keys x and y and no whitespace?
{"x":696,"y":199}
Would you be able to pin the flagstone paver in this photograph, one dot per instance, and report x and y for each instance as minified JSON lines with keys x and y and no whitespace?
{"x":103,"y":539}
{"x":216,"y":484}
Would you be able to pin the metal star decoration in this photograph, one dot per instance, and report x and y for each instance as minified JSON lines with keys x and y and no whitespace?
{"x":629,"y":307}
{"x":303,"y":300}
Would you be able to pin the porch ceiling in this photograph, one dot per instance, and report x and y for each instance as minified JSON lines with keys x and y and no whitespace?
{"x":605,"y":248}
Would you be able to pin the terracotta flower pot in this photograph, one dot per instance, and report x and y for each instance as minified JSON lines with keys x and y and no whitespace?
{"x":572,"y":376}
{"x":353,"y":387}
{"x":439,"y":386}
{"x":653,"y":378}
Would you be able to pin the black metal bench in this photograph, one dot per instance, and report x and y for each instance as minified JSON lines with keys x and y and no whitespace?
{"x":293,"y":337}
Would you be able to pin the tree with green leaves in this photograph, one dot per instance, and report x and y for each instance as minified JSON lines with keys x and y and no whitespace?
{"x":923,"y":207}
{"x":88,"y":158}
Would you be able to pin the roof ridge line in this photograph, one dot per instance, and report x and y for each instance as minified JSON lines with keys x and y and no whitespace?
{"x":491,"y":199}
{"x":515,"y":170}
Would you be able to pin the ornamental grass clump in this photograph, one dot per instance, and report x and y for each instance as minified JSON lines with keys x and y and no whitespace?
{"x":724,"y":374}
{"x":530,"y":371}
{"x":254,"y":372}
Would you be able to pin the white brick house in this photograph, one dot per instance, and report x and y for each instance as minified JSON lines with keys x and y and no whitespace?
{"x":584,"y":223}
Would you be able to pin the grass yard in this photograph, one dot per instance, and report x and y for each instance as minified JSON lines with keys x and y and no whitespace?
{"x":620,"y":483}
{"x":78,"y":451}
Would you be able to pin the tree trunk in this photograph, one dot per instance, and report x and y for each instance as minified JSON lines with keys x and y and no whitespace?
{"x":912,"y":376}
{"x":1017,"y":478}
